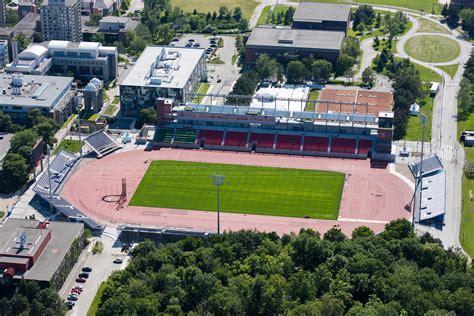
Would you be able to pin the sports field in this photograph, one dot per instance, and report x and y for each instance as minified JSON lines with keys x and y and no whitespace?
{"x":247,"y":189}
{"x":432,"y":48}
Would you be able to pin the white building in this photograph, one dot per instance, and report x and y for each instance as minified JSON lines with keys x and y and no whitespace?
{"x":162,"y":72}
{"x":85,"y":60}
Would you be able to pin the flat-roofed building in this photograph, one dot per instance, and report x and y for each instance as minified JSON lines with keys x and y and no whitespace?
{"x":39,"y":251}
{"x":53,"y":96}
{"x":322,"y":16}
{"x":3,"y":53}
{"x":85,"y":60}
{"x":162,"y":72}
{"x":279,"y":42}
{"x":364,"y":101}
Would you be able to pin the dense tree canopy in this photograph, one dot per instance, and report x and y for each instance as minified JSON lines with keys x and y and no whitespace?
{"x":251,"y":273}
{"x":466,"y":92}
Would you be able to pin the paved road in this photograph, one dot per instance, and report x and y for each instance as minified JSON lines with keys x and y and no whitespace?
{"x":136,"y":5}
{"x":102,"y":266}
{"x":444,"y":134}
{"x":369,"y":53}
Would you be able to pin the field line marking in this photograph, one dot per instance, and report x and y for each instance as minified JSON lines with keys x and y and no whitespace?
{"x":361,"y":220}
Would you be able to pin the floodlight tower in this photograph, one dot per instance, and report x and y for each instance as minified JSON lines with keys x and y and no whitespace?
{"x":420,"y":173}
{"x":49,"y":182}
{"x":218,"y":181}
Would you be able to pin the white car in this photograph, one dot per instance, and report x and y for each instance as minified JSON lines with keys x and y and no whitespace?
{"x":118,"y":260}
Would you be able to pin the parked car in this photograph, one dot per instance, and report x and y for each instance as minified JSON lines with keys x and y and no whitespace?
{"x":191,"y":40}
{"x":84,"y":275}
{"x":76,"y":291}
{"x":175,"y":39}
{"x":213,"y":45}
{"x":87,"y":269}
{"x":219,"y":80}
{"x":213,"y":41}
{"x":197,"y":45}
{"x":72,"y":297}
{"x":188,"y":45}
{"x":70,"y":305}
{"x":78,"y":287}
{"x":118,"y":260}
{"x":80,"y":280}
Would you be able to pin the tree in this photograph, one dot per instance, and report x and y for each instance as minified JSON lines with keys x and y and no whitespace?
{"x":147,"y":116}
{"x":237,"y":13}
{"x":296,"y":72}
{"x":444,"y":11}
{"x":344,"y":63}
{"x":289,"y":15}
{"x":266,"y":67}
{"x":321,"y":69}
{"x":15,"y":172}
{"x":23,"y":41}
{"x":368,"y":77}
{"x":6,"y":124}
{"x":25,"y":138}
{"x":12,"y":18}
{"x":94,"y":19}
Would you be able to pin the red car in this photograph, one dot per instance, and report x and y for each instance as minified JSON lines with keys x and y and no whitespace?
{"x":75,"y":292}
{"x":81,"y":280}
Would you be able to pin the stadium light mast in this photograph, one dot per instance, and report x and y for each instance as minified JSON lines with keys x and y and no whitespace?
{"x":420,"y":176}
{"x":49,"y":182}
{"x":218,"y":181}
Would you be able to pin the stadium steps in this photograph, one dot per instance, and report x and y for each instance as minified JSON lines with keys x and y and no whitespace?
{"x":185,"y":136}
{"x":163,"y":135}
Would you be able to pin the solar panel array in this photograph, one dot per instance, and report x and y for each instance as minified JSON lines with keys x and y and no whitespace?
{"x":59,"y":168}
{"x":431,"y":164}
{"x":101,"y":143}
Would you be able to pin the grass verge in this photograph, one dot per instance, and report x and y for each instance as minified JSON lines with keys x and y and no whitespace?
{"x":247,"y":189}
{"x":313,"y":95}
{"x":96,"y":302}
{"x":450,"y":69}
{"x":427,"y":26}
{"x":69,"y":120}
{"x":414,"y":129}
{"x":203,"y":87}
{"x":71,"y":145}
{"x":247,"y":6}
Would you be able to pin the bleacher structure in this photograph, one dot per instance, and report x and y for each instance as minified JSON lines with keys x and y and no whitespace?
{"x":270,"y":130}
{"x":430,"y":188}
{"x":59,"y":168}
{"x":101,"y":143}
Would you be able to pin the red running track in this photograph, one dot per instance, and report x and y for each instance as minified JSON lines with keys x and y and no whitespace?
{"x":371,"y":197}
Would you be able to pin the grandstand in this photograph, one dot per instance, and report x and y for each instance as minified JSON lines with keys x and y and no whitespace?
{"x":271,"y":125}
{"x":433,"y":189}
{"x":59,"y":169}
{"x":101,"y":143}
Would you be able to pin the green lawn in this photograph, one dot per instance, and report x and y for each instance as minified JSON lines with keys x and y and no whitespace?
{"x":313,"y":95}
{"x":432,"y":48}
{"x":69,"y":120}
{"x":95,"y":303}
{"x":247,"y":189}
{"x":203,"y":87}
{"x":262,"y":19}
{"x":450,"y":69}
{"x":431,"y":27}
{"x":247,"y":6}
{"x":414,"y":129}
{"x":425,"y":5}
{"x":467,"y":215}
{"x":69,"y":144}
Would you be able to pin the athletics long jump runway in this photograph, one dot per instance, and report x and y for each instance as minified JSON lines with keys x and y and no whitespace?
{"x":371,"y":197}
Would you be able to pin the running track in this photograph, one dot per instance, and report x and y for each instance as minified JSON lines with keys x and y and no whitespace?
{"x":371,"y":197}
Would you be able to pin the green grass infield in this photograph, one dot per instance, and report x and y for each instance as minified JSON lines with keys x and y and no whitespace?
{"x":247,"y":189}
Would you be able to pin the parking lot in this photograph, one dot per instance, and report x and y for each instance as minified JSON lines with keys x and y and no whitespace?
{"x":197,"y":41}
{"x":102,"y":266}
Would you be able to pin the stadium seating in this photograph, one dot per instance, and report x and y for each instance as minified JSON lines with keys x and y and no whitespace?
{"x":343,"y":145}
{"x":288,"y":142}
{"x":60,"y":167}
{"x":364,"y":146}
{"x":262,"y":140}
{"x":316,"y":144}
{"x":163,"y":135}
{"x":213,"y":138}
{"x":236,"y":139}
{"x":186,"y":136}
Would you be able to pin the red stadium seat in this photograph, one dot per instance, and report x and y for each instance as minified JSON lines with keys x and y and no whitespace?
{"x":288,"y":142}
{"x":262,"y":140}
{"x":364,"y":146}
{"x":211,"y":137}
{"x":343,"y":145}
{"x":319,"y":144}
{"x":236,"y":139}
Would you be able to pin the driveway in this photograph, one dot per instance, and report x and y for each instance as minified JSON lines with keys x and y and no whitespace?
{"x":102,"y":267}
